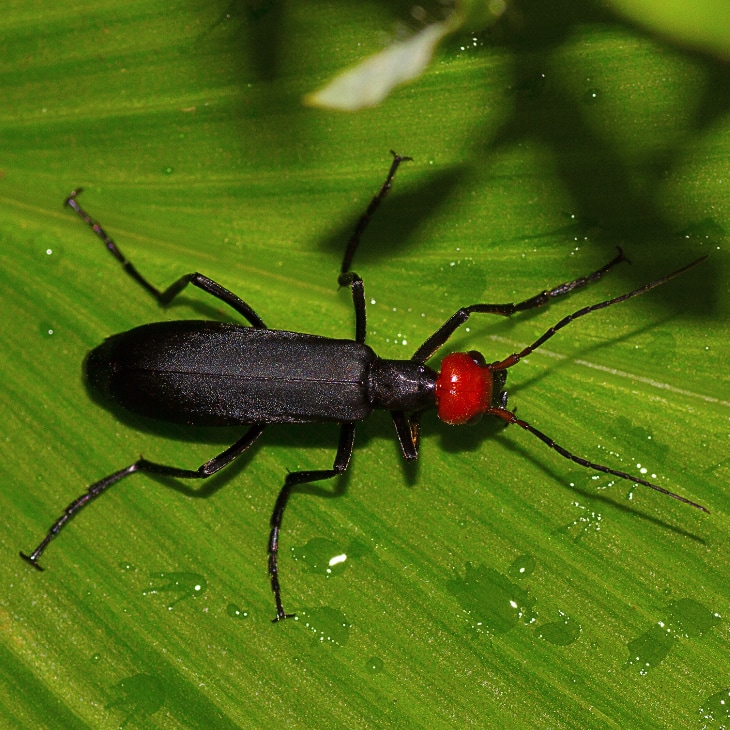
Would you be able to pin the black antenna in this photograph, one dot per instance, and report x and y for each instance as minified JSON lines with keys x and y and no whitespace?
{"x":513,"y":359}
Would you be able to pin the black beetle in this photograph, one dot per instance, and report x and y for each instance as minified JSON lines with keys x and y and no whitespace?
{"x":213,"y":373}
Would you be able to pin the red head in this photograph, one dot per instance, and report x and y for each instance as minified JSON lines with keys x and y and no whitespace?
{"x":467,"y":387}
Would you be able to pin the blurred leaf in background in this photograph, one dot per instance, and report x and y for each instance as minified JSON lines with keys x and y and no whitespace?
{"x":704,"y":25}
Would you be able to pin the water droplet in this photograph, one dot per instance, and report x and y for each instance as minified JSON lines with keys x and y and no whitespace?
{"x":48,"y":248}
{"x":374,"y":665}
{"x":126,"y":566}
{"x":46,"y":329}
{"x":186,"y":585}
{"x":588,"y":521}
{"x":169,"y":170}
{"x":530,"y":87}
{"x":707,"y":229}
{"x":716,"y":709}
{"x":522,"y":566}
{"x":591,"y":96}
{"x":139,"y":696}
{"x":560,"y":633}
{"x":690,"y":618}
{"x":685,"y":618}
{"x":650,"y":648}
{"x":494,"y":602}
{"x":322,"y":556}
{"x":235,"y":612}
{"x":659,"y":346}
{"x":95,"y":658}
{"x":329,"y":625}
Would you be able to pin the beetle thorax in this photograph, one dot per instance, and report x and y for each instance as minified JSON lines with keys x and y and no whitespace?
{"x":401,"y":385}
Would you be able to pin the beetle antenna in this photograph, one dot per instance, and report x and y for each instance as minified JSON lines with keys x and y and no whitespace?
{"x":516,"y":357}
{"x":508,"y":362}
{"x":510,"y":417}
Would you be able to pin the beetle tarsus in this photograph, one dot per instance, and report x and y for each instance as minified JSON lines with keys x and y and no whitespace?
{"x":32,"y":559}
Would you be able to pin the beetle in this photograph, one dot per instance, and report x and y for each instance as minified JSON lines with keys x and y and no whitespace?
{"x":205,"y":373}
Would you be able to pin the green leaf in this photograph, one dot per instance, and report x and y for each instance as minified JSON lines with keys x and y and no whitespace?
{"x":493,"y":583}
{"x":703,"y":24}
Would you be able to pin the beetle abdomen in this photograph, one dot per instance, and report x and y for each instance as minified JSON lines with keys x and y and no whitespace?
{"x":213,"y":373}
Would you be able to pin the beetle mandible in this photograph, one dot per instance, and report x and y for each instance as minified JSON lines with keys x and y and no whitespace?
{"x":212,"y":373}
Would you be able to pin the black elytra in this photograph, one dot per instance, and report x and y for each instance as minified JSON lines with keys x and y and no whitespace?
{"x":219,"y":374}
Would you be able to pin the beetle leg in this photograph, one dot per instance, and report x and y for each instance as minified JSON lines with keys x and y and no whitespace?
{"x":166,"y":296}
{"x":215,"y":289}
{"x":350,"y":278}
{"x":342,"y":460}
{"x":408,"y":430}
{"x":442,"y":334}
{"x":364,"y":219}
{"x":357,"y":287}
{"x":142,"y":465}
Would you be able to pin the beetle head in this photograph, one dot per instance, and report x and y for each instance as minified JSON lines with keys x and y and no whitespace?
{"x":467,"y":387}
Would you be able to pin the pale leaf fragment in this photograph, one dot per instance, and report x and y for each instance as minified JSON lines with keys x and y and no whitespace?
{"x":371,"y":80}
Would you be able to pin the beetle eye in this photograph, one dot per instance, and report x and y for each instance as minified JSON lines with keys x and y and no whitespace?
{"x":477,"y":357}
